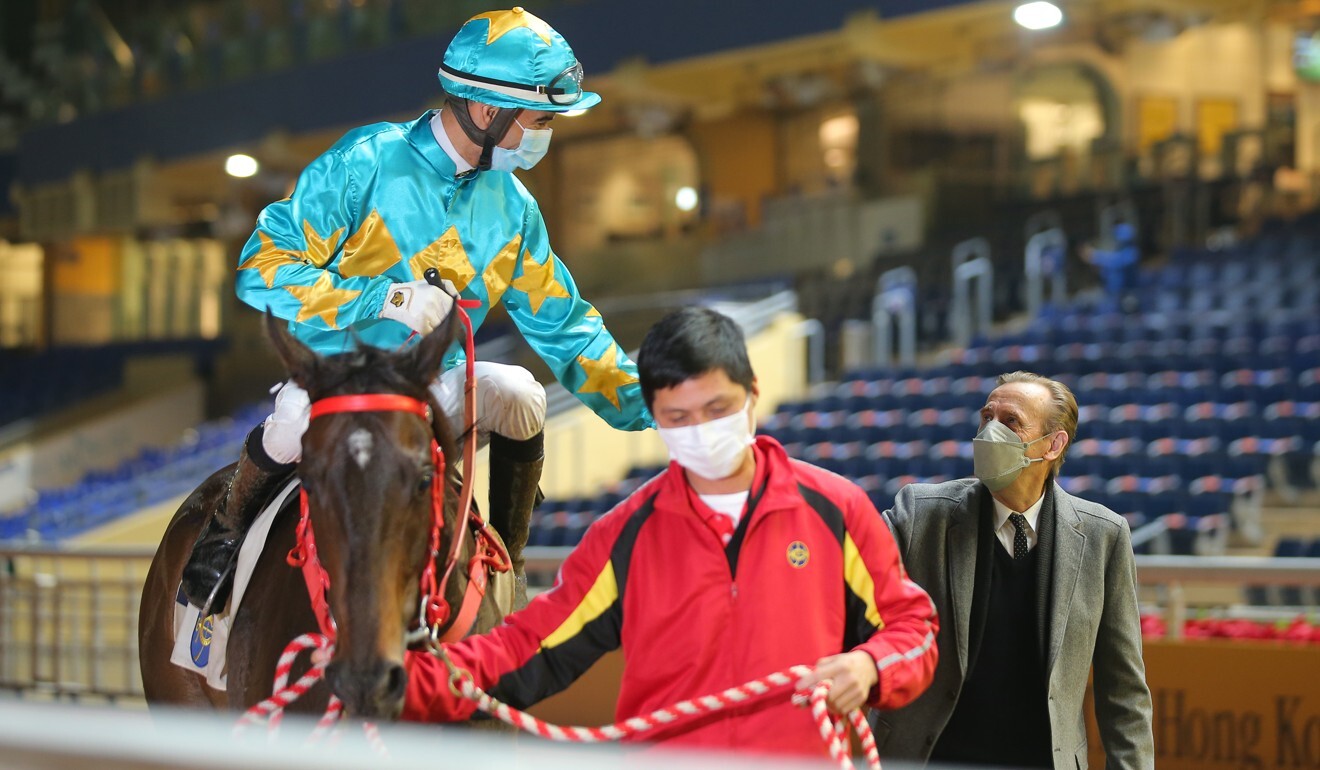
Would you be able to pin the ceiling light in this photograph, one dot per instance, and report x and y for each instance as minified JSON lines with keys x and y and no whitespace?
{"x":686,"y":199}
{"x":1039,"y":15}
{"x":241,"y":165}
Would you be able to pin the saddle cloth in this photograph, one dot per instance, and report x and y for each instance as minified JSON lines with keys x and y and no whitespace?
{"x":199,"y":643}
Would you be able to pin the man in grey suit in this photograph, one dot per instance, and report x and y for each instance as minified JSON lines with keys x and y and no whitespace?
{"x":1033,"y":588}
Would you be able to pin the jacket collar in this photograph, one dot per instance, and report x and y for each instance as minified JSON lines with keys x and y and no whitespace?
{"x":774,"y":485}
{"x":421,"y":138}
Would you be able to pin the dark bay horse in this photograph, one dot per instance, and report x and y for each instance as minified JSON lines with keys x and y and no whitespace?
{"x":368,"y":479}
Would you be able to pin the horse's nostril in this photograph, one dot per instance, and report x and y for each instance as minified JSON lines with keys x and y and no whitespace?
{"x":395,"y":682}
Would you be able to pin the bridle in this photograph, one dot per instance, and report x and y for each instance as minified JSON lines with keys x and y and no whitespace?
{"x":433,"y":611}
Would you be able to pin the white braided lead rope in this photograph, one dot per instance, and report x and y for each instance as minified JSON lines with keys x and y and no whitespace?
{"x":272,"y":709}
{"x":833,"y":731}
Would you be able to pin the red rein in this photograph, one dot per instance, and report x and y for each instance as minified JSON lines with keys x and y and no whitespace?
{"x":490,"y":555}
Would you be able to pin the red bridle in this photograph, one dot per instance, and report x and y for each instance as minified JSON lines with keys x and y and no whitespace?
{"x":434,"y":611}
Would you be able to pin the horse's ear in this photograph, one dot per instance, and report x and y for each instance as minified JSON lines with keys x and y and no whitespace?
{"x":421,"y":364}
{"x":299,"y":360}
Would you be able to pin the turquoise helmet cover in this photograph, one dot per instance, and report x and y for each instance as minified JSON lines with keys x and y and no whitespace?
{"x":514,"y":60}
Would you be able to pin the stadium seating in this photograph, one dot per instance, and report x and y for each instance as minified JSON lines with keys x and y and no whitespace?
{"x":153,"y":476}
{"x":1186,"y":408}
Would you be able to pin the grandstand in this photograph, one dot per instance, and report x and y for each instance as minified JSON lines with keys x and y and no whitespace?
{"x":1189,"y":411}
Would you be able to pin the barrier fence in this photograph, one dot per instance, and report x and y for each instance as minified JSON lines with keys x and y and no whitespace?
{"x":68,"y":621}
{"x":68,"y":618}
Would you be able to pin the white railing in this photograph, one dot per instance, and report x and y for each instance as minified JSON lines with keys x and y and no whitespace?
{"x":68,"y":618}
{"x":61,"y":736}
{"x":1175,"y":573}
{"x":68,"y":621}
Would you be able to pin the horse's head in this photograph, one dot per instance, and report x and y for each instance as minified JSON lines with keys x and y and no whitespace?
{"x":368,"y":478}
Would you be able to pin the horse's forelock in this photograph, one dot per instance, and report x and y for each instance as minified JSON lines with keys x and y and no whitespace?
{"x":365,"y":370}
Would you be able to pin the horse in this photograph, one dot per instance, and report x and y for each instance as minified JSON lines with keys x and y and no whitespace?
{"x":368,"y":480}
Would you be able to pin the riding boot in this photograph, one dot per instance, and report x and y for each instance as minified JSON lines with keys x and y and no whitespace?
{"x":208,"y":575}
{"x":515,"y":471}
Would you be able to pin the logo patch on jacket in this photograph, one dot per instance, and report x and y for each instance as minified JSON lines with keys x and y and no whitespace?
{"x":798,"y":554}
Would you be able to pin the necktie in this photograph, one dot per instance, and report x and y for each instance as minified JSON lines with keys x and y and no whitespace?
{"x":1019,"y":535}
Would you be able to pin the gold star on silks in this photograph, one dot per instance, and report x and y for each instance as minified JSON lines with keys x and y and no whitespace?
{"x":447,"y":255}
{"x":538,"y":280}
{"x":321,"y":300}
{"x":604,"y":375}
{"x":268,"y":259}
{"x":503,"y":22}
{"x":592,"y":312}
{"x":371,"y":250}
{"x":320,"y":250}
{"x":500,"y":270}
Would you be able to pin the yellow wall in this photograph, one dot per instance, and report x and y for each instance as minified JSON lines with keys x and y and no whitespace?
{"x":621,"y":188}
{"x":89,"y":266}
{"x":1218,"y":61}
{"x":1239,"y":62}
{"x":85,"y":290}
{"x":22,"y":265}
{"x":738,"y":161}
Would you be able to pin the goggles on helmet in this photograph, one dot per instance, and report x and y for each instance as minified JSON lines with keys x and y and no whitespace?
{"x":564,"y":89}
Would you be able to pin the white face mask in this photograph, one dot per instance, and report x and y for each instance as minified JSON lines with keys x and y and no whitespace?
{"x":533,"y":146}
{"x":712,"y":450}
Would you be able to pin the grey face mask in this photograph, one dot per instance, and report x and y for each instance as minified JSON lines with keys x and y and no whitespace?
{"x":998,"y":455}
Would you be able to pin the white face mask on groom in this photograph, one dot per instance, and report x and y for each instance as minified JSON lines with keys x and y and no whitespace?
{"x":713,"y":450}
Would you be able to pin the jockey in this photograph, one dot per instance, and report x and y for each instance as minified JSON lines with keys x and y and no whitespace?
{"x":343,"y":257}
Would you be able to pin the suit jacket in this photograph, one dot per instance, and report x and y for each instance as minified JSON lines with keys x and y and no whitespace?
{"x":1086,"y":609}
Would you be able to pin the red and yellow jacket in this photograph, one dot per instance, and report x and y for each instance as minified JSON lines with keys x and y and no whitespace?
{"x":811,"y":571}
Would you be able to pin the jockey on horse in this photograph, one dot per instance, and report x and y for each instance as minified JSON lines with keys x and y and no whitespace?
{"x":343,"y":257}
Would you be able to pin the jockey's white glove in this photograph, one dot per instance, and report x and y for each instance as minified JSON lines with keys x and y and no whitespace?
{"x":418,"y":305}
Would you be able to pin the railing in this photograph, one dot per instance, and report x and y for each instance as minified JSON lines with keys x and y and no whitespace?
{"x":37,"y":735}
{"x":68,"y":619}
{"x":1174,"y":573}
{"x":1154,"y":534}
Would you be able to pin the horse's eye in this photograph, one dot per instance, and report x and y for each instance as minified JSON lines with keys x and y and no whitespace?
{"x":424,"y":482}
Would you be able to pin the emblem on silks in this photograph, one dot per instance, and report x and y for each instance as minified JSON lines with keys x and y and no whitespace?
{"x":201,"y":640}
{"x":397,"y":299}
{"x":798,"y":554}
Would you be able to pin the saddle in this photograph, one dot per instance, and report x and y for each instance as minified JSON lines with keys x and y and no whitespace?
{"x":199,"y":642}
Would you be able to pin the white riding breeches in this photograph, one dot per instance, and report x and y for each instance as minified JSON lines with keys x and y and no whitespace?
{"x":510,"y":402}
{"x":282,"y":433}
